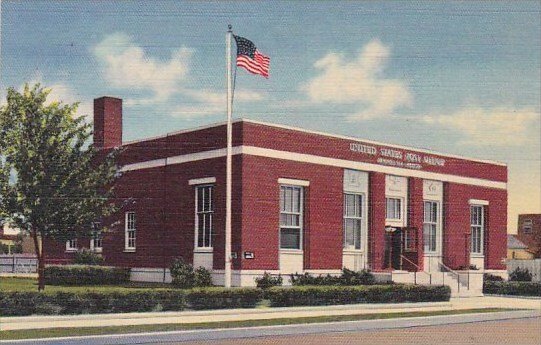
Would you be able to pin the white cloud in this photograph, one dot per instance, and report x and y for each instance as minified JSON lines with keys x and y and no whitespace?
{"x":359,"y":82}
{"x":498,"y":126}
{"x":126,"y":65}
{"x":60,"y":92}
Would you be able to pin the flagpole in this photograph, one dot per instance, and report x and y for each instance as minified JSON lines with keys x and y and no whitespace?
{"x":227,"y":269}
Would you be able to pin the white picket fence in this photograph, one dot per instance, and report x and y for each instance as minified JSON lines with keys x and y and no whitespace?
{"x":534,"y":266}
{"x":18,"y":263}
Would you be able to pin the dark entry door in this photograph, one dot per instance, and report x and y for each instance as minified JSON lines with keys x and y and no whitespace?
{"x":393,"y":249}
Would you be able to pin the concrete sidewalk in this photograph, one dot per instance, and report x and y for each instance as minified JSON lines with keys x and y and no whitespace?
{"x":103,"y":320}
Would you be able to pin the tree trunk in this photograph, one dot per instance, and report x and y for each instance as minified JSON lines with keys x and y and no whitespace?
{"x":41,"y":262}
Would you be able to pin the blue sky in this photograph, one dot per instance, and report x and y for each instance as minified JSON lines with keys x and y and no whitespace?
{"x":456,"y":77}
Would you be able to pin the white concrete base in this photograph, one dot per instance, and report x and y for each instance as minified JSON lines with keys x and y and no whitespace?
{"x":203,"y":259}
{"x":154,"y":275}
{"x":238,"y":277}
{"x":354,"y":261}
{"x":478,"y":261}
{"x":291,"y":262}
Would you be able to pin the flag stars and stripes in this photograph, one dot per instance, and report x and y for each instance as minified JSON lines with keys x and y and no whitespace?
{"x":249,"y":57}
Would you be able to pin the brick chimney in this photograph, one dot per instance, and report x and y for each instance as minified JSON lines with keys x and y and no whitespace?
{"x":107,"y":122}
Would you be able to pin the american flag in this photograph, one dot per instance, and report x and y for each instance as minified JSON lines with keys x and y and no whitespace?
{"x":250,"y":58}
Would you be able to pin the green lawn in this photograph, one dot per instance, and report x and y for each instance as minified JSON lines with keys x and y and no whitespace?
{"x":66,"y":332}
{"x":31,"y":284}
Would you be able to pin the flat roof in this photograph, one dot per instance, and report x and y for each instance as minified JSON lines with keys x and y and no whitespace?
{"x":329,"y":135}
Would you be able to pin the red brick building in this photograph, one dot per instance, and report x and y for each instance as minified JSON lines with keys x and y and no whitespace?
{"x":303,"y":201}
{"x":529,"y":232}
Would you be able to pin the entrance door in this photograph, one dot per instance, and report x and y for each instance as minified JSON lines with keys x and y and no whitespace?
{"x":393,"y":249}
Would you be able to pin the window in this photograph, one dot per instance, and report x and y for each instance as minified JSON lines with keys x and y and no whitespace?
{"x":131,"y":229}
{"x":95,"y":240}
{"x":203,"y":216}
{"x":71,"y":245}
{"x":393,"y":209}
{"x":291,"y":207}
{"x":527,"y":226}
{"x":409,"y":237}
{"x":353,"y":208}
{"x":430,"y":226}
{"x":477,"y":228}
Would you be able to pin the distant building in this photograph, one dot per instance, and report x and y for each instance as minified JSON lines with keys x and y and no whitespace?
{"x":517,"y":250}
{"x":11,"y":241}
{"x":8,"y":240}
{"x":529,"y":232}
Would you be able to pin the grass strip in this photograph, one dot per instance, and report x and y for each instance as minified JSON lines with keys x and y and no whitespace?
{"x":83,"y":331}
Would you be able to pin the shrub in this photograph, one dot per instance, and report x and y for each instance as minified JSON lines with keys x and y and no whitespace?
{"x":467,"y":268}
{"x":308,"y":279}
{"x":520,"y":275}
{"x":267,"y":281}
{"x":19,"y":303}
{"x":348,"y":277}
{"x":87,"y":257}
{"x":516,"y":288}
{"x":364,"y":277}
{"x":492,"y":278}
{"x":220,"y":298}
{"x":331,"y":295}
{"x":182,"y":274}
{"x":202,"y":277}
{"x":85,"y":275}
{"x":62,"y":303}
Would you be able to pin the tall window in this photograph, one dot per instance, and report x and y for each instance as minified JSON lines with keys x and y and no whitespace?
{"x":409,"y":238}
{"x":95,"y":240}
{"x":353,"y":207}
{"x":71,"y":245}
{"x":131,"y":231}
{"x":393,"y":209}
{"x":430,"y":226}
{"x":203,"y":214}
{"x":477,"y":228}
{"x":291,"y":212}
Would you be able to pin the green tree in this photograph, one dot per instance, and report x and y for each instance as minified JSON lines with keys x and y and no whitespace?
{"x":53,"y":183}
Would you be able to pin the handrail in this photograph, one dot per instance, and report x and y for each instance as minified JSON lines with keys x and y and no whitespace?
{"x":456,"y":274}
{"x":418,"y":269}
{"x":449,"y":269}
{"x":411,"y":262}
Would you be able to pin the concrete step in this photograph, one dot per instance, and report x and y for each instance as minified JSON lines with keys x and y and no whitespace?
{"x":469,"y":286}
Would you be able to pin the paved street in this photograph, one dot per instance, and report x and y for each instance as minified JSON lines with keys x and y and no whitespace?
{"x":516,"y":332}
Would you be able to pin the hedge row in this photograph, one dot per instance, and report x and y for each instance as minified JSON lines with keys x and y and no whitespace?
{"x":512,"y":288}
{"x":332,"y":295}
{"x":222,"y":298}
{"x":28,"y":303}
{"x":85,"y":275}
{"x":60,"y":303}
